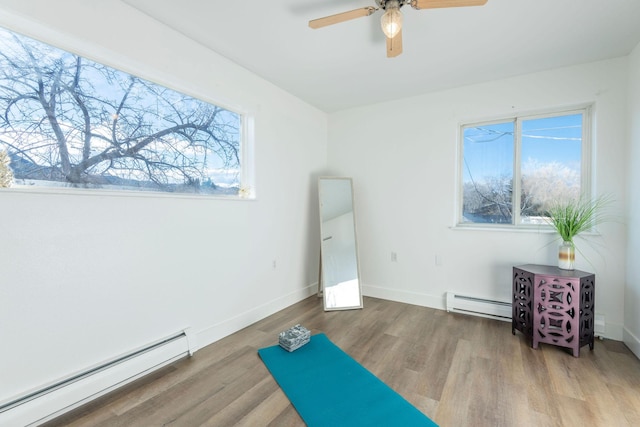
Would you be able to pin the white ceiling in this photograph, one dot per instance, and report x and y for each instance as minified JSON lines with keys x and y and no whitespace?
{"x":345,"y":65}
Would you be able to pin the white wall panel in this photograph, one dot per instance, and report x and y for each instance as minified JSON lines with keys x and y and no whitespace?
{"x":407,"y":188}
{"x":89,"y":276}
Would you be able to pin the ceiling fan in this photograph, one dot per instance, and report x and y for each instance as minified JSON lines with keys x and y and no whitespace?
{"x":392,"y":19}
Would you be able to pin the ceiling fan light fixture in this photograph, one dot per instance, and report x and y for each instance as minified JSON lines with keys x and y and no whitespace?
{"x":391,"y":21}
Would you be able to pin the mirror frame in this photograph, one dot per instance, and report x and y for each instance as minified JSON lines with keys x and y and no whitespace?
{"x":321,"y":288}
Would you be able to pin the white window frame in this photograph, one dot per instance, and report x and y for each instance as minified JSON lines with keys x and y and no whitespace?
{"x":122,"y":63}
{"x":586,"y":166}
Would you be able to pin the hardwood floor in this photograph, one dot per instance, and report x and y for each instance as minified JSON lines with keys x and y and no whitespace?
{"x":459,"y":370}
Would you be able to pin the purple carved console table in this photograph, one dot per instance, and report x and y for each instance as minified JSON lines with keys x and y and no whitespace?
{"x":554,"y":306}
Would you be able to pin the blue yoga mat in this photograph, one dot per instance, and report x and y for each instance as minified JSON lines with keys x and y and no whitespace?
{"x":329,"y":388}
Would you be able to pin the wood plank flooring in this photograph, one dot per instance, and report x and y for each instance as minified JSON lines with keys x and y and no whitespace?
{"x":459,"y":370}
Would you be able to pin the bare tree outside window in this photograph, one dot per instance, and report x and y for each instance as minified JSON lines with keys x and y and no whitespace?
{"x":488,"y":173}
{"x":68,"y":121}
{"x":548,"y":168}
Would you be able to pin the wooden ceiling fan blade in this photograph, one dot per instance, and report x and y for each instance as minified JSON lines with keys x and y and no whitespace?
{"x":341,"y":17}
{"x":394,"y":45}
{"x":434,"y":4}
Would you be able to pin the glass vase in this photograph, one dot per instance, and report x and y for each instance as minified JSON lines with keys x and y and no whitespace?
{"x":566,"y":256}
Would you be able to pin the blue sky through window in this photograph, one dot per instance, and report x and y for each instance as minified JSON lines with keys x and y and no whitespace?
{"x":553,"y":140}
{"x":488,"y":149}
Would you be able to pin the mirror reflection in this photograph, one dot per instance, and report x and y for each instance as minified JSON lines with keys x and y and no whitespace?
{"x":339,"y":276}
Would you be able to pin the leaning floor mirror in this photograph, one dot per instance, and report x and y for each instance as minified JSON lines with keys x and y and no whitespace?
{"x":339,"y":281}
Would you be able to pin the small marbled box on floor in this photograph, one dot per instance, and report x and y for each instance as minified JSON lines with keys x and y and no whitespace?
{"x":294,"y":337}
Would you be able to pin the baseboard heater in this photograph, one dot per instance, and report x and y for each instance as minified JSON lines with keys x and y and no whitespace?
{"x":476,"y":306}
{"x":39,"y":406}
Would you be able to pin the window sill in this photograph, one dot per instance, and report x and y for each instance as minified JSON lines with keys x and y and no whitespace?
{"x":115,"y":193}
{"x":538,"y":229}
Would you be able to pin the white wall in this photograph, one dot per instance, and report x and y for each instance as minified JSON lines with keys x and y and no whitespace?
{"x":632,"y":288}
{"x":405,"y":190}
{"x":89,"y":276}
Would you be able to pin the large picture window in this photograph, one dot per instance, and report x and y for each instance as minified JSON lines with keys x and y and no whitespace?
{"x":513,"y":170}
{"x":67,"y":121}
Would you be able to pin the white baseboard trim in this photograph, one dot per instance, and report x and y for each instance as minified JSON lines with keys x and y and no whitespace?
{"x":631,"y":341}
{"x":41,"y":407}
{"x":28,"y":415}
{"x":614,"y":331}
{"x":59,"y":401}
{"x":228,"y":326}
{"x":406,"y":297}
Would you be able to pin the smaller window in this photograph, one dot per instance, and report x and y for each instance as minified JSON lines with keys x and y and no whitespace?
{"x":512,"y":170}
